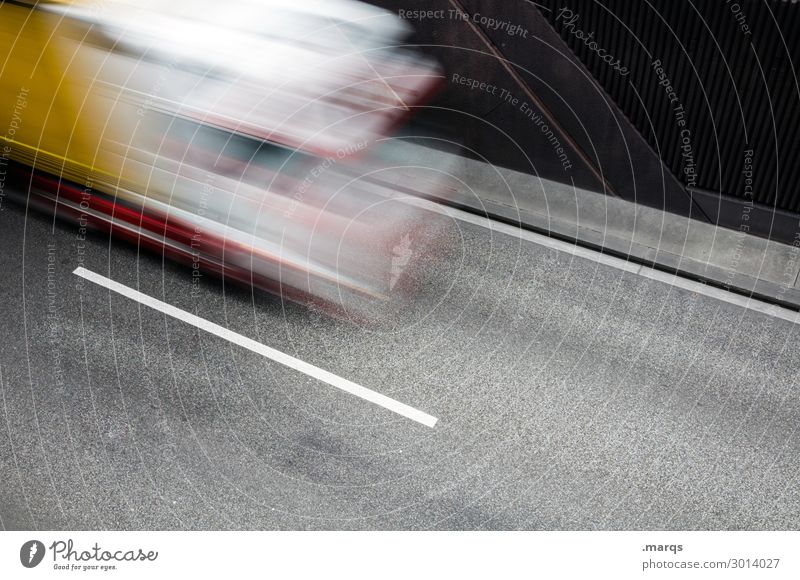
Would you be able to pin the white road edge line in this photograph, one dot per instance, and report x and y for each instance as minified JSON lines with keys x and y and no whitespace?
{"x":271,"y":353}
{"x":753,"y":304}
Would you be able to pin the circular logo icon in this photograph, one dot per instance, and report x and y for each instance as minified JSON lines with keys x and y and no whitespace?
{"x":31,"y":553}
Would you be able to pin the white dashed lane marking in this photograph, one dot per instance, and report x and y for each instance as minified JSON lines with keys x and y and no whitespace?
{"x":271,"y":353}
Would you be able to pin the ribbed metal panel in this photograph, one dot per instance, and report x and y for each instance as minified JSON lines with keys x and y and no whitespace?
{"x":739,"y":91}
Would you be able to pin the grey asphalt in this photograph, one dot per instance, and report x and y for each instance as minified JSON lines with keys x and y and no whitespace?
{"x":570,"y":395}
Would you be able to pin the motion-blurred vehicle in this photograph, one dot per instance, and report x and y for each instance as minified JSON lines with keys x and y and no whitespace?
{"x":239,"y":136}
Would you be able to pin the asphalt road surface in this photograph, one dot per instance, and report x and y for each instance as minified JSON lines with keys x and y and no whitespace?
{"x":569,"y":395}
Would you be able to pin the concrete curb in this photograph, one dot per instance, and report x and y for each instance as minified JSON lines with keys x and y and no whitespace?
{"x":734,"y":260}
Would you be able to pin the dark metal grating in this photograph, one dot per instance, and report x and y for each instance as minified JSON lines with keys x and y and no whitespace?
{"x":739,"y":91}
